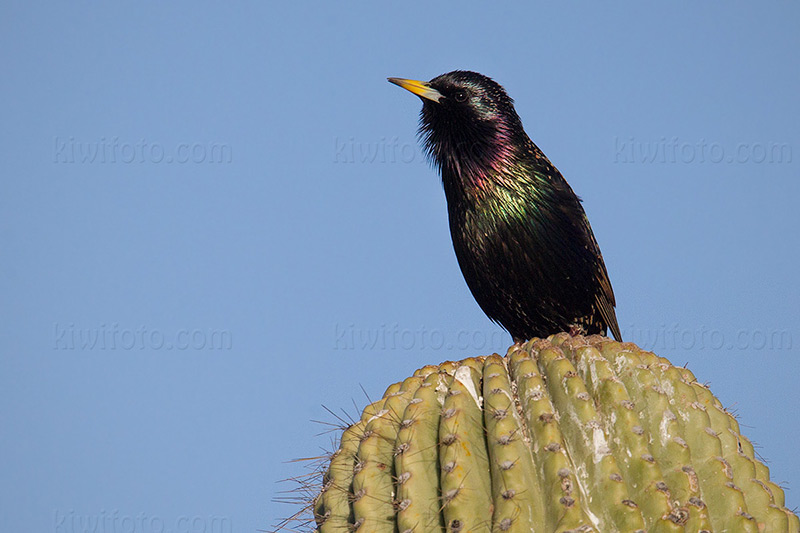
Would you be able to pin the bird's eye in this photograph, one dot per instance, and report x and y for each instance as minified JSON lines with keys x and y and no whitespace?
{"x":460,"y":96}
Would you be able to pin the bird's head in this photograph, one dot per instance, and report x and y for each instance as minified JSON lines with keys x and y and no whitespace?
{"x":468,"y":123}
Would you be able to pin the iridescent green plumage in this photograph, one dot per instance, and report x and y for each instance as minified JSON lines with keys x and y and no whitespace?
{"x":520,"y":234}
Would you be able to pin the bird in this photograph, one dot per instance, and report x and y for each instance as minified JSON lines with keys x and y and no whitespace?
{"x":520,"y":234}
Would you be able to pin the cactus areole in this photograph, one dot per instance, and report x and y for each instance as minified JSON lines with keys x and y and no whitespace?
{"x":568,"y":434}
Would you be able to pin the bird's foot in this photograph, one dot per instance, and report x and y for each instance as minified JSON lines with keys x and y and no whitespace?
{"x":576,"y":329}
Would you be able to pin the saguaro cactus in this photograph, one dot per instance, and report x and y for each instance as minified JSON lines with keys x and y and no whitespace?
{"x":568,"y":434}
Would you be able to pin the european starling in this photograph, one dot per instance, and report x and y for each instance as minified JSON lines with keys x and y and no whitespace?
{"x":520,"y":234}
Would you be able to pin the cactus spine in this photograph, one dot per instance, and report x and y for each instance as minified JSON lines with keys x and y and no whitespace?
{"x":568,"y":434}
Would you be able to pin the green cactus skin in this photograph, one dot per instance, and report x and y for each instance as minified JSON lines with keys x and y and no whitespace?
{"x":563,"y":435}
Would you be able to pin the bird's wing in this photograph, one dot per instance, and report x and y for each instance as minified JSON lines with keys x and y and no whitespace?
{"x":605,"y":297}
{"x":573,"y":213}
{"x":605,"y":302}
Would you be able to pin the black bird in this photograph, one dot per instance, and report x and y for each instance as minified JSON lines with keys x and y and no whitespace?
{"x":520,"y":234}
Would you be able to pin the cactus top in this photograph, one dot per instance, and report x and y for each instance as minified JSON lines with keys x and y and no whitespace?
{"x":569,"y":434}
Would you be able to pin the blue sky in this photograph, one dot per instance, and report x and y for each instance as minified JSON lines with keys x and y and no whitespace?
{"x":215,"y":219}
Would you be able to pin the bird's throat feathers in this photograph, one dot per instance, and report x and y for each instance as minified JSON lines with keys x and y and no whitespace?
{"x":478,"y":155}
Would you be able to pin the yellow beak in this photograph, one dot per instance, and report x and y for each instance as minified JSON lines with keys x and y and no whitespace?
{"x":420,"y":88}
